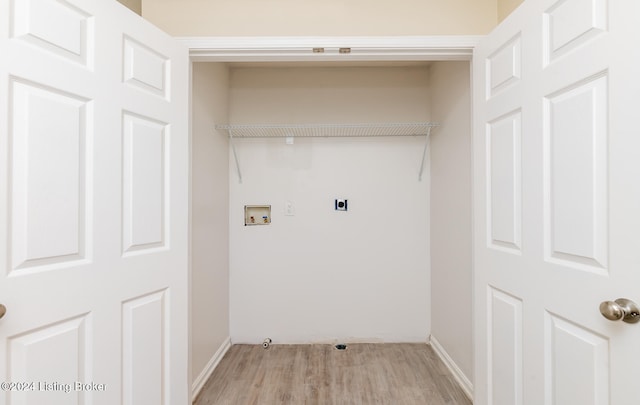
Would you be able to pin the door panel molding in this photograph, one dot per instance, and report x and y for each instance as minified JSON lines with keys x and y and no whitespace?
{"x":49,"y":201}
{"x":57,"y":27}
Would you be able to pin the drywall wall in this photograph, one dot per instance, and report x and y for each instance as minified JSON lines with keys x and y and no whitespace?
{"x":317,"y":18}
{"x":134,"y":5}
{"x":505,"y":7}
{"x":323,"y":275}
{"x":451,"y":268}
{"x":209,"y":215}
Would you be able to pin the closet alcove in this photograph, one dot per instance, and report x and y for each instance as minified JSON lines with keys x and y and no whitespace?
{"x":396,"y":265}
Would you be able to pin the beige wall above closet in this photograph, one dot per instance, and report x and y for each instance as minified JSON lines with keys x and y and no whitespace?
{"x":457,"y":15}
{"x":322,"y":18}
{"x":195,"y":18}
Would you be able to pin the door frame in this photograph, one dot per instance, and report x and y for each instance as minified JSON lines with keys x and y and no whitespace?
{"x":300,"y":49}
{"x":390,"y":49}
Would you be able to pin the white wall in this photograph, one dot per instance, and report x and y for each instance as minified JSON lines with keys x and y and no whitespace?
{"x":322,"y":17}
{"x":321,"y":275}
{"x":210,"y":215}
{"x":450,"y":148}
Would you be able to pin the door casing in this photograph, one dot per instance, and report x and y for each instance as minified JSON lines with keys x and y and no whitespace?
{"x":361,"y":50}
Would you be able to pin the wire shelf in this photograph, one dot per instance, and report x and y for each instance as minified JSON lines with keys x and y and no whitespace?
{"x":327,"y":130}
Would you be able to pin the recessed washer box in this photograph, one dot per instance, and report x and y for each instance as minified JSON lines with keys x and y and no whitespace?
{"x":257,"y":215}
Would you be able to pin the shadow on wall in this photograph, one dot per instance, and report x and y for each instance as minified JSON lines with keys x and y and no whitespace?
{"x":133,"y":5}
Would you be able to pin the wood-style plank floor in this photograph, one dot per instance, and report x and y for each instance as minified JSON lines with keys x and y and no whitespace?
{"x":398,"y":374}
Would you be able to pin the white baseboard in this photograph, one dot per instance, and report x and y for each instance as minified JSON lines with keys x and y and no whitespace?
{"x":208,"y":370}
{"x":460,"y":377}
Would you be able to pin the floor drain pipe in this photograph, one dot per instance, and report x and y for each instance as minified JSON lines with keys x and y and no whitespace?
{"x":266,"y":343}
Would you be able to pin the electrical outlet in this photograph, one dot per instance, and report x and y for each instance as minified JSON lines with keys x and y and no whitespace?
{"x":340,"y":205}
{"x":289,"y":209}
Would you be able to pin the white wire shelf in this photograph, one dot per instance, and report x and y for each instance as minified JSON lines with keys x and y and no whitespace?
{"x":327,"y":130}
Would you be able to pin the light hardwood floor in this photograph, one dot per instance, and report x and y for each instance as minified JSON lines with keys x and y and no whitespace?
{"x":398,"y":374}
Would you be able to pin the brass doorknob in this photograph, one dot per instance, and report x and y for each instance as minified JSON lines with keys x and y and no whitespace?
{"x":3,"y":310}
{"x":620,"y":309}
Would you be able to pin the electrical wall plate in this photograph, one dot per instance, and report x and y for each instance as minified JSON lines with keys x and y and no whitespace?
{"x":340,"y":204}
{"x":289,"y":209}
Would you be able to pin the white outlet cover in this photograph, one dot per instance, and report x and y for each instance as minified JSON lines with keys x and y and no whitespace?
{"x":289,"y":209}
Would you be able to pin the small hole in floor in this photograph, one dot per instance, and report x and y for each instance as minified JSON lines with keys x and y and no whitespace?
{"x":341,"y":346}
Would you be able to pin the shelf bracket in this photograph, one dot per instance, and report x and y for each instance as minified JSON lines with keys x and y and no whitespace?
{"x":235,"y":155}
{"x":424,"y":153}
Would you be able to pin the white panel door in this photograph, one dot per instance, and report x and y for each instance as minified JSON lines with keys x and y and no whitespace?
{"x":93,"y":206}
{"x":557,"y":204}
